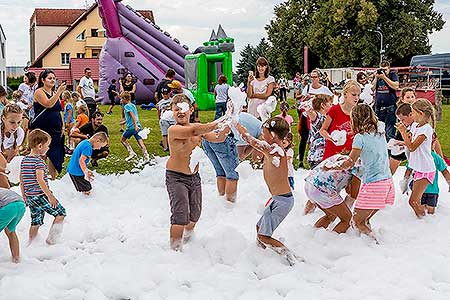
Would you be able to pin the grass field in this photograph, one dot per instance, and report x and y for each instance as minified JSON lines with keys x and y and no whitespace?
{"x":115,"y":163}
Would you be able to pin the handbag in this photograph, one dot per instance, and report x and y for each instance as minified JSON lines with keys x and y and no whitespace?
{"x":30,"y":124}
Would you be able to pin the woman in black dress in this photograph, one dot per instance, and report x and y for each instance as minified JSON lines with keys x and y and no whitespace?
{"x":47,"y":117}
{"x":128,"y":85}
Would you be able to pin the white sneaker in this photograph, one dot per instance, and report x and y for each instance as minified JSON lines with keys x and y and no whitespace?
{"x":131,"y":156}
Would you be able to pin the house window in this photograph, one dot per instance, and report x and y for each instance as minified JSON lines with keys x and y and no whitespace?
{"x":82,"y":36}
{"x":94,"y":32}
{"x":95,"y":53}
{"x":65,"y":58}
{"x":80,"y":55}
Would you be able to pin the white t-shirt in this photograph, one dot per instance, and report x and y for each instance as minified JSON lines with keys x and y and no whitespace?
{"x":8,"y":142}
{"x":421,"y":159}
{"x":309,"y":90}
{"x":260,"y":87}
{"x":87,"y":87}
{"x":27,"y":92}
{"x":290,"y":158}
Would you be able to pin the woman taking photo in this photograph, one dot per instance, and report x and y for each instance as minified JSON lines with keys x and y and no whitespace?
{"x":260,"y":86}
{"x":47,"y":116}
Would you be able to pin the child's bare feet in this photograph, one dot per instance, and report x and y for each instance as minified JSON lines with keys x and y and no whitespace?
{"x":418,"y":209}
{"x":309,"y":207}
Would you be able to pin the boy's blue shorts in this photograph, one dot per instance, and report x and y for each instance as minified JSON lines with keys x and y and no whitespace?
{"x":131,"y":132}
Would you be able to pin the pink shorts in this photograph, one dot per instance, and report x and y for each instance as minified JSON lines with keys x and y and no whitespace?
{"x":428,"y":176}
{"x":375,"y":195}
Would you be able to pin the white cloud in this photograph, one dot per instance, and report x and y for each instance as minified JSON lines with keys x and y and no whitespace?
{"x":190,"y":21}
{"x":440,"y":41}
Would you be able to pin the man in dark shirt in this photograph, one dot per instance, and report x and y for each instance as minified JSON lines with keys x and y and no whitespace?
{"x":112,"y":94}
{"x":170,"y":75}
{"x":385,"y":85}
{"x":87,"y":131}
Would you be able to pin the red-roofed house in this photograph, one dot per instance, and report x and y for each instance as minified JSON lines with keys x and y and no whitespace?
{"x":58,"y":35}
{"x":73,"y":74}
{"x":47,"y":24}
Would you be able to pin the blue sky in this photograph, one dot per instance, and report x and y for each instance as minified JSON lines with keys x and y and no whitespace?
{"x":191,"y":21}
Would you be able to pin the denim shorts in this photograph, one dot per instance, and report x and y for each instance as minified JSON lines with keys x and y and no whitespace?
{"x":132,"y":132}
{"x":224,"y":157}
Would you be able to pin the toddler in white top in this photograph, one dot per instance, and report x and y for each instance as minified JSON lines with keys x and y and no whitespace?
{"x":420,"y":146}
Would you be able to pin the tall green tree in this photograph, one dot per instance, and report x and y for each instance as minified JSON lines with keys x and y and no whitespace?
{"x":342,"y":32}
{"x":249,"y":55}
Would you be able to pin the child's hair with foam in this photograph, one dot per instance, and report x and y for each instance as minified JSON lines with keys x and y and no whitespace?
{"x":277,"y":125}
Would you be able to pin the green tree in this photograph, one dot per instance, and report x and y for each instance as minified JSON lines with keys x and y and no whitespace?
{"x":341,"y":32}
{"x":249,"y":55}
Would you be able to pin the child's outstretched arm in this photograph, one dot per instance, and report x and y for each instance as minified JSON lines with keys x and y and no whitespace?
{"x":412,"y":145}
{"x":196,"y":129}
{"x":348,"y":163}
{"x":255,"y":143}
{"x":88,"y":175}
{"x":218,"y":137}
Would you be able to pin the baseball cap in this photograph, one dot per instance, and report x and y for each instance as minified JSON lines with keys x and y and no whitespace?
{"x":80,"y":103}
{"x":175,"y":84}
{"x":165,"y":90}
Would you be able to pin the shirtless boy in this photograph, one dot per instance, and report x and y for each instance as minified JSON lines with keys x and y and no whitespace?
{"x":275,"y":170}
{"x":183,"y":184}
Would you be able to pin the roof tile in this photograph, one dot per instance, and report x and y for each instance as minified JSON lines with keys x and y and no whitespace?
{"x":56,"y":16}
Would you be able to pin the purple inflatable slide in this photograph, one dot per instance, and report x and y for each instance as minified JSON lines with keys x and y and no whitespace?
{"x":136,"y":45}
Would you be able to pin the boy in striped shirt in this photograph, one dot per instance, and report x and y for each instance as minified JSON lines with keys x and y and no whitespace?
{"x":35,"y":189}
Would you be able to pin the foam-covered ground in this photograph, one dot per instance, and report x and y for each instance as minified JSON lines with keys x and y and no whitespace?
{"x":115,"y":246}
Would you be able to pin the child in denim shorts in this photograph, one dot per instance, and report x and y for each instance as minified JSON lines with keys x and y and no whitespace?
{"x":133,"y":126}
{"x":35,"y":190}
{"x":275,"y":172}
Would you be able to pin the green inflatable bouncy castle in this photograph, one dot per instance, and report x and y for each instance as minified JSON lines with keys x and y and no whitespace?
{"x":202,"y":69}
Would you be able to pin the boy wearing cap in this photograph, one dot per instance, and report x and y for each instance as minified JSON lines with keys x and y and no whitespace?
{"x":176,"y":87}
{"x":165,"y":116}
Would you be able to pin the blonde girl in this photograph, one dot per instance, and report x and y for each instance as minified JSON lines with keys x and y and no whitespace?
{"x":338,"y":119}
{"x":419,"y":144}
{"x":11,"y":137}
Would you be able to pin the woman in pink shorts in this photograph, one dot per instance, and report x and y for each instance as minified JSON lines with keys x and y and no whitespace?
{"x":420,"y":144}
{"x":370,"y":145}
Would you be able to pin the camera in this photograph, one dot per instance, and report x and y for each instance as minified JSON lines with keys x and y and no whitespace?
{"x":380,"y":71}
